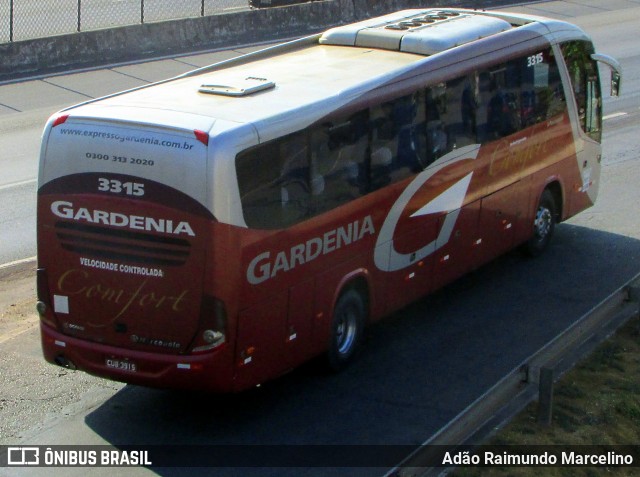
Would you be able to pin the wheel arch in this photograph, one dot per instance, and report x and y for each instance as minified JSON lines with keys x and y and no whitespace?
{"x":554,"y":185}
{"x":558,"y":196}
{"x":360,"y":281}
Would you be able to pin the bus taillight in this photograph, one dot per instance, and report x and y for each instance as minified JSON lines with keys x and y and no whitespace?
{"x":60,"y":120}
{"x":202,"y":136}
{"x":42,"y":285}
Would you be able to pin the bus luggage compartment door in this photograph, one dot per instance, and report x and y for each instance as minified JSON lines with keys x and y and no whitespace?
{"x":501,"y":221}
{"x":260,"y":348}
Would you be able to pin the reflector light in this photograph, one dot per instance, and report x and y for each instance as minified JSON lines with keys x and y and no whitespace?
{"x":202,"y":136}
{"x":190,"y":367}
{"x":60,"y":120}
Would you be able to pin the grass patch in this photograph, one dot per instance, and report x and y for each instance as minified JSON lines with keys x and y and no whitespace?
{"x":596,"y":403}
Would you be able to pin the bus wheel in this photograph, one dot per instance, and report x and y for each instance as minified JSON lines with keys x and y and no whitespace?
{"x":347,"y":329}
{"x":543,"y":225}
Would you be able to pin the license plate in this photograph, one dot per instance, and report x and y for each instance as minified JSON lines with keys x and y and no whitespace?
{"x":121,"y":364}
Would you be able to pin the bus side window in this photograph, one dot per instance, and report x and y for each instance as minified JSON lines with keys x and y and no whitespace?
{"x":338,"y":152}
{"x":295,"y":191}
{"x":397,"y":139}
{"x":541,"y":93}
{"x":452,"y":113}
{"x":437,"y":140}
{"x":500,"y":96}
{"x":257,"y":179}
{"x":274,"y":182}
{"x":384,"y":144}
{"x":520,"y":93}
{"x":583,"y":72}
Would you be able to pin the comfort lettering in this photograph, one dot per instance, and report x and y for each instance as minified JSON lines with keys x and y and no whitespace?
{"x":76,"y":282}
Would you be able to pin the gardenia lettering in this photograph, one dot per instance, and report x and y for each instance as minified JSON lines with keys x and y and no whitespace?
{"x":264,"y":267}
{"x":65,"y":210}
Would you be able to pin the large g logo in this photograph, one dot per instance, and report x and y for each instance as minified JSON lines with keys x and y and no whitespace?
{"x":451,"y":200}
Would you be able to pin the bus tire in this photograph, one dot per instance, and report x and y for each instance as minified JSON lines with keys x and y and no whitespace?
{"x":347,"y":329}
{"x":544,"y":225}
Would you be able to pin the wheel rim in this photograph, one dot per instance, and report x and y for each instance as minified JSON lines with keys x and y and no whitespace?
{"x":543,"y":223}
{"x":346,"y":331}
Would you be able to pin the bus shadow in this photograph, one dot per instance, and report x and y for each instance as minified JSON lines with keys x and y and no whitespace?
{"x":420,"y":367}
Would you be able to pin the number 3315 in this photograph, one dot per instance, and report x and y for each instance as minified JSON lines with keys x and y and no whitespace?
{"x":535,"y":60}
{"x":118,"y":187}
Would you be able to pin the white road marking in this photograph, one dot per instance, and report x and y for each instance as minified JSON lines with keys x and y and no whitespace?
{"x":614,"y":115}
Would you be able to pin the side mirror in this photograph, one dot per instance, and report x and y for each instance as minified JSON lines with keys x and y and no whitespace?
{"x":616,"y":71}
{"x":616,"y":79}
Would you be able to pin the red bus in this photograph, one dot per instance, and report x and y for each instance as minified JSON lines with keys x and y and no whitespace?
{"x":215,"y":230}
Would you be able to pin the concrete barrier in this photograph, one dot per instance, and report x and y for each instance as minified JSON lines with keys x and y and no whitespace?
{"x":137,"y":42}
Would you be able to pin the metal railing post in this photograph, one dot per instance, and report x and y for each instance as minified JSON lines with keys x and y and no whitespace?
{"x":10,"y":20}
{"x":79,"y":14}
{"x":141,"y":11}
{"x":545,"y":396}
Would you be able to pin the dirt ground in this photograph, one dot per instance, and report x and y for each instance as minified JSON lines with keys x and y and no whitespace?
{"x":33,"y":393}
{"x":17,"y":300}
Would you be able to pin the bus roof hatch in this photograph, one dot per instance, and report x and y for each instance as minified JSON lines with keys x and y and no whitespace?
{"x":425,"y":32}
{"x":238,"y":87}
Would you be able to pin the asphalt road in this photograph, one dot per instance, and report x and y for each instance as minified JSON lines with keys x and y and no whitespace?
{"x":419,"y":368}
{"x":24,"y":109}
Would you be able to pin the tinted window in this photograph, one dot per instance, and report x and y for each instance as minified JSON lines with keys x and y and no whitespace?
{"x":452,"y":110}
{"x":338,"y":152}
{"x":293,"y":178}
{"x":296,"y":177}
{"x":397,"y":139}
{"x":274,"y":182}
{"x":519,"y":93}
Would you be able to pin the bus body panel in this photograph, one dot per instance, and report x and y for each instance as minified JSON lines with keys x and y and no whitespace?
{"x":154,"y":272}
{"x":121,"y":286}
{"x":127,"y":233}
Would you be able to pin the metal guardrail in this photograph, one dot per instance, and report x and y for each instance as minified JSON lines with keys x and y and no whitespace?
{"x":515,"y":390}
{"x":30,"y":19}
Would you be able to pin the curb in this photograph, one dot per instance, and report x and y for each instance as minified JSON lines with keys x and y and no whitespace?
{"x":8,"y":270}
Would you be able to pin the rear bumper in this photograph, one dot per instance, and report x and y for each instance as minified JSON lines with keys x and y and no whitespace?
{"x":208,"y":371}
